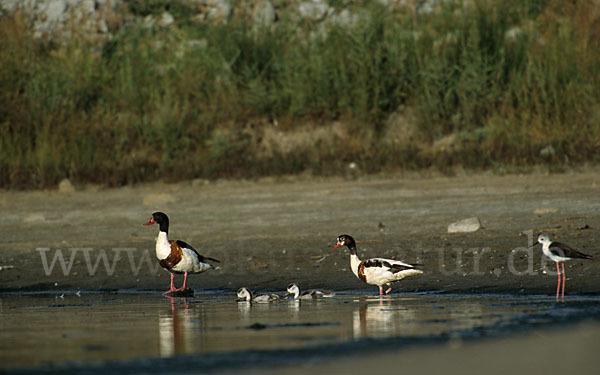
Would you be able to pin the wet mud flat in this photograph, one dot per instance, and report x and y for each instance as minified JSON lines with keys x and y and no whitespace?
{"x":148,"y":333}
{"x":269,"y":233}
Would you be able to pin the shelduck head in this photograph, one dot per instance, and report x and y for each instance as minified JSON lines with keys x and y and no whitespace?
{"x":244,"y":294}
{"x":345,"y":239}
{"x":293,"y":290}
{"x":161,"y":219}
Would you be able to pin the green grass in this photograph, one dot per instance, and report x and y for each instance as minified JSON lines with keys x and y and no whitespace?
{"x":197,"y":100}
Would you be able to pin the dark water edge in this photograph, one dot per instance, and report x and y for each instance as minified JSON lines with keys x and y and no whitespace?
{"x":543,"y":312}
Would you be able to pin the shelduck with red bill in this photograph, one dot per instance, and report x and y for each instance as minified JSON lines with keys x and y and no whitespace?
{"x":175,"y":256}
{"x":376,"y":271}
{"x":559,"y":253}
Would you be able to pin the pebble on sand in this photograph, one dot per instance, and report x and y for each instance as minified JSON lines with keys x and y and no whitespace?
{"x":471,"y":224}
{"x":65,"y":186}
{"x":544,"y":211}
{"x":34,"y":218}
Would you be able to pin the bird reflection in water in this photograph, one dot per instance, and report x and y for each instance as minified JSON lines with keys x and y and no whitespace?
{"x":380,"y":317}
{"x":175,"y":327}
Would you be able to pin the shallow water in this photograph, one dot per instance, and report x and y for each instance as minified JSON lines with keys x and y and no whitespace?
{"x":135,"y":332}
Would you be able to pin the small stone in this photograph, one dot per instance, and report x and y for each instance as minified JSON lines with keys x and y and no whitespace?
{"x":257,"y":326}
{"x":166,"y":19}
{"x":187,"y":292}
{"x":547,"y":152}
{"x":34,"y":218}
{"x":471,"y":224}
{"x":544,"y":211}
{"x":66,"y":187}
{"x":199,"y":182}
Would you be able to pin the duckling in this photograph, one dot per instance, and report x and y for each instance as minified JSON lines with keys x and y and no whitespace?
{"x":294,"y":290}
{"x":244,"y":294}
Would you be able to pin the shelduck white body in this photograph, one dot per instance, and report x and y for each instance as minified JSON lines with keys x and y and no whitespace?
{"x":177,"y":257}
{"x":294,"y":291}
{"x":376,"y":271}
{"x":190,"y":262}
{"x":244,"y":294}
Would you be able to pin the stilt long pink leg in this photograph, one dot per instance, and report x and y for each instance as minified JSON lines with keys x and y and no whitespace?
{"x":564,"y":275}
{"x":558,"y":282}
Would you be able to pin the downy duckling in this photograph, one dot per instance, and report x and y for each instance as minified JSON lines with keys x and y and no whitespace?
{"x":294,"y":290}
{"x":244,"y":294}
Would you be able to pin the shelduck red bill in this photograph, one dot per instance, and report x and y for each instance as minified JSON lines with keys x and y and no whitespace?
{"x":151,"y":221}
{"x":336,"y":245}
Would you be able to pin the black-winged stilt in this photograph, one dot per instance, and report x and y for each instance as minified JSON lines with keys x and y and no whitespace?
{"x":559,"y":253}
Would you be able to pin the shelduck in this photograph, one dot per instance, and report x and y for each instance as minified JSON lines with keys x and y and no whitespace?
{"x":376,"y":271}
{"x":294,"y":290}
{"x":559,"y":253}
{"x":177,"y":257}
{"x":244,"y":294}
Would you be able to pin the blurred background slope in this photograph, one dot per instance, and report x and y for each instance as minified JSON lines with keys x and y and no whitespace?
{"x":116,"y":92}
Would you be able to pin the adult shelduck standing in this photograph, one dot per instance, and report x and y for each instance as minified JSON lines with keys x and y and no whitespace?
{"x":177,"y":257}
{"x":559,"y":253}
{"x":376,"y":271}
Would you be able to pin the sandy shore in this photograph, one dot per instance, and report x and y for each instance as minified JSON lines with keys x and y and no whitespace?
{"x":269,"y":233}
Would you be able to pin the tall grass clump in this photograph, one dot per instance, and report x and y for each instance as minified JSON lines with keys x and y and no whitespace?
{"x":479,"y":84}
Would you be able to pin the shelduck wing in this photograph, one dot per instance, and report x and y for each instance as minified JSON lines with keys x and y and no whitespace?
{"x":376,"y":263}
{"x":201,"y":258}
{"x":185,"y":245}
{"x":391,"y":264}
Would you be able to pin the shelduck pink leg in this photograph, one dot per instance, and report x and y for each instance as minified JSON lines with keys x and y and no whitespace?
{"x":388,"y":290}
{"x":184,"y":283}
{"x":380,"y":290}
{"x":172,"y":289}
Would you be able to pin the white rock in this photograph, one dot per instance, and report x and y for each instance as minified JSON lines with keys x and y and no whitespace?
{"x":34,"y":218}
{"x":465,"y":226}
{"x":262,"y":11}
{"x":547,"y":152}
{"x":218,"y":9}
{"x":65,"y":186}
{"x":314,"y":10}
{"x":166,"y":19}
{"x":544,"y":211}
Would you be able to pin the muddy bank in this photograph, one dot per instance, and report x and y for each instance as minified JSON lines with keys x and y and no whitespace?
{"x":270,"y":233}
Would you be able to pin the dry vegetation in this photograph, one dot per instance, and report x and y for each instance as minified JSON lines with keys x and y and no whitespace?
{"x":500,"y":84}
